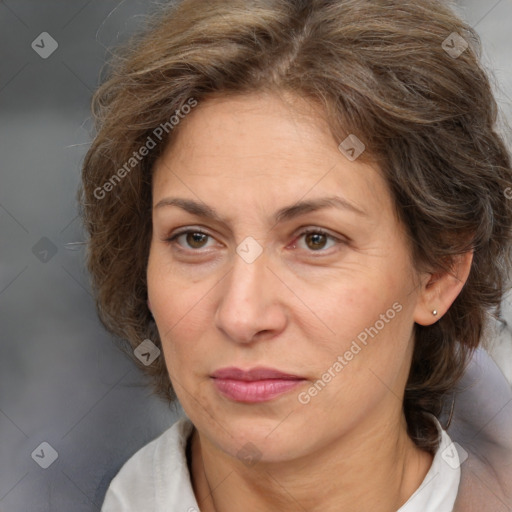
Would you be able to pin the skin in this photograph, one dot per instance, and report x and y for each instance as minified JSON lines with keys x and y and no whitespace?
{"x":296,"y":308}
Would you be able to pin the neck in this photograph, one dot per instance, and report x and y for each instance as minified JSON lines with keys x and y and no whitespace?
{"x":376,"y":471}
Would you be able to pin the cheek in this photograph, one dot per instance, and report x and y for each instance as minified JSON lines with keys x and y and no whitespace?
{"x":372,"y":320}
{"x":352,"y":306}
{"x":167,"y":291}
{"x":178,"y":305}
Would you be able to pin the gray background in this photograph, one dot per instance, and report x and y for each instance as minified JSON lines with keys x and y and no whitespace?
{"x":62,"y":380}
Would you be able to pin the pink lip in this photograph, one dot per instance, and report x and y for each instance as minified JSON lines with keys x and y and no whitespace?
{"x":255,"y":385}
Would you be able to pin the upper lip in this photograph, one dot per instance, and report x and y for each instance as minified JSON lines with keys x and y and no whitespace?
{"x":258,"y":373}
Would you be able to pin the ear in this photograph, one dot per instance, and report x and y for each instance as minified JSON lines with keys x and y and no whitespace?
{"x":439,"y":290}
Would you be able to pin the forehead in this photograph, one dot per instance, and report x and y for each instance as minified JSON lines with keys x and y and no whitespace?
{"x":278,"y":149}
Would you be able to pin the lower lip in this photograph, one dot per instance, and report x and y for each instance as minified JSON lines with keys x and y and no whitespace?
{"x":255,"y":391}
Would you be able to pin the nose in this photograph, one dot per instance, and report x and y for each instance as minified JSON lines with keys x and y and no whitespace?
{"x":251,"y":307}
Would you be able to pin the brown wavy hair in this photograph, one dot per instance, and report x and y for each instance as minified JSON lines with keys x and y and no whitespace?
{"x":388,"y":71}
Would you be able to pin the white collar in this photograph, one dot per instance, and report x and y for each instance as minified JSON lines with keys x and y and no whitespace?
{"x":439,"y":488}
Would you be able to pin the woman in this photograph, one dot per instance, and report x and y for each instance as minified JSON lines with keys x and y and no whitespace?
{"x":297,"y":219}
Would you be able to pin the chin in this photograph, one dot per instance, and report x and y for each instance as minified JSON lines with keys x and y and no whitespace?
{"x":255,"y":436}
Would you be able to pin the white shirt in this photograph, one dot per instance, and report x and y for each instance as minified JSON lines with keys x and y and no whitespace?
{"x":156,"y":478}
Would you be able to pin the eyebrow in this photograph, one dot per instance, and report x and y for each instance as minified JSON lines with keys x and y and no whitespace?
{"x":284,"y":214}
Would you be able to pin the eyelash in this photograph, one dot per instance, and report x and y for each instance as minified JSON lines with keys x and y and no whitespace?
{"x":316,"y":231}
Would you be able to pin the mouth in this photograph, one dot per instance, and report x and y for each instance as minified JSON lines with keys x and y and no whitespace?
{"x":254,"y":385}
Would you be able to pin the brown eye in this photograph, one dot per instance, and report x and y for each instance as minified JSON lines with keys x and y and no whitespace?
{"x":196,"y":240}
{"x":316,"y":241}
{"x":190,"y":239}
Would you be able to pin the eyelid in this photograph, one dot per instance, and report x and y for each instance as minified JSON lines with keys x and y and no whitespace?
{"x":304,"y":231}
{"x":184,"y":231}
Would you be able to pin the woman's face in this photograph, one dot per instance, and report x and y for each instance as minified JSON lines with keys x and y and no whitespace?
{"x":248,"y":287}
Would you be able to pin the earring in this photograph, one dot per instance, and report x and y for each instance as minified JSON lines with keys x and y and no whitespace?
{"x":434,"y":312}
